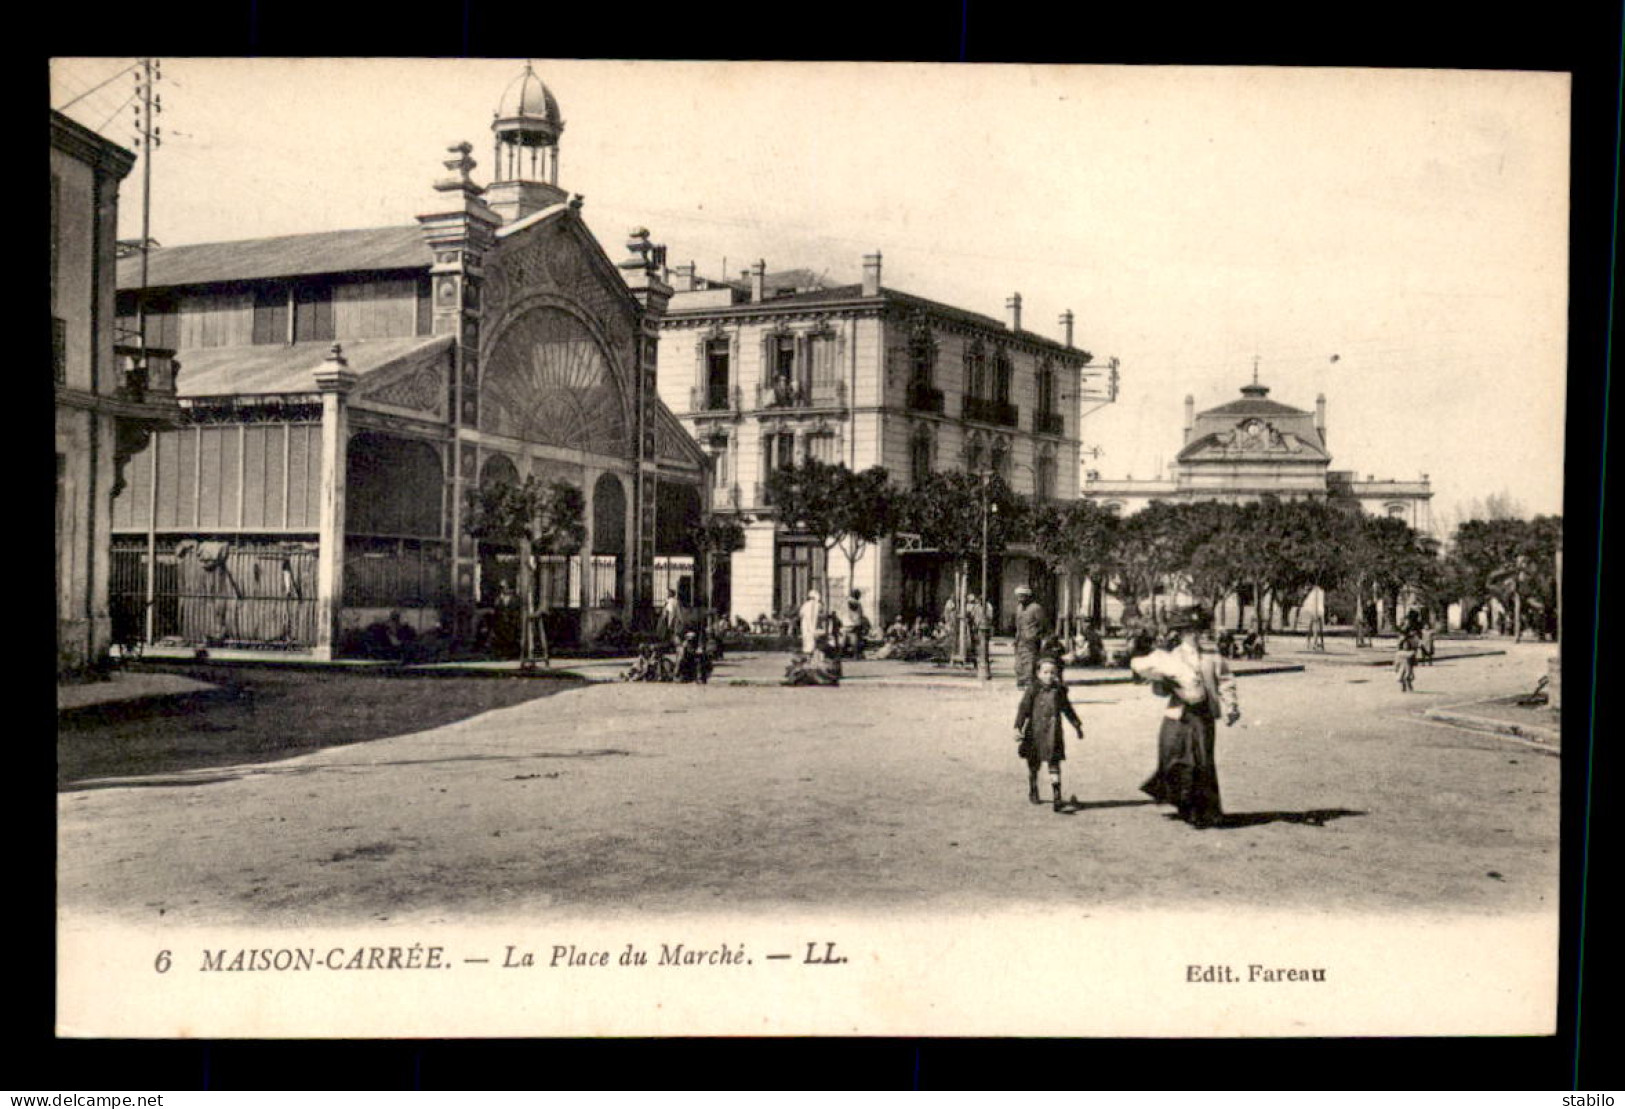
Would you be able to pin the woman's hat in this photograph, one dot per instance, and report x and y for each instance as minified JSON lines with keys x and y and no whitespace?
{"x":1023,"y":591}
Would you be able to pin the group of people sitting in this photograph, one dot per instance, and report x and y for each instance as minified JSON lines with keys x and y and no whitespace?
{"x":1247,"y":644}
{"x":656,"y":661}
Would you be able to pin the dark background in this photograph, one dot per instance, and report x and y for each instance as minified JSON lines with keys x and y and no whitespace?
{"x":1580,"y":38}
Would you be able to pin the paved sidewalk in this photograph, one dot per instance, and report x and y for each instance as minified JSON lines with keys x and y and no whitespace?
{"x":1503,"y":716}
{"x":124,"y":686}
{"x":760,"y":668}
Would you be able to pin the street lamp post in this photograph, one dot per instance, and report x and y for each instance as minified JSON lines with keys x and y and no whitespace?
{"x":984,"y":658}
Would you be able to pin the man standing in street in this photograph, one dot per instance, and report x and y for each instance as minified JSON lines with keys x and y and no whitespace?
{"x":672,"y":622}
{"x":1032,"y":623}
{"x":812,"y":619}
{"x":979,"y":616}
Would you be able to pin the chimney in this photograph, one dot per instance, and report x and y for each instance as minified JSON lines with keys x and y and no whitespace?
{"x":1013,"y":307}
{"x":641,"y":271}
{"x":1190,"y":415}
{"x":1066,"y":327}
{"x":683,"y":278}
{"x":871,"y":274}
{"x":1320,"y":418}
{"x":758,"y":282}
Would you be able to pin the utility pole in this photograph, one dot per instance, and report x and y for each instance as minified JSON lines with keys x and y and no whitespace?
{"x":148,"y":139}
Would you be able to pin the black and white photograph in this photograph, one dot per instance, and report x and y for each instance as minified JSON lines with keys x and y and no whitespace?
{"x":628,"y":548}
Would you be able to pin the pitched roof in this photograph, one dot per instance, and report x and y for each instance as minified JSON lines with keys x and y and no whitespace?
{"x":318,"y":252}
{"x":271,"y":369}
{"x":1253,"y":406}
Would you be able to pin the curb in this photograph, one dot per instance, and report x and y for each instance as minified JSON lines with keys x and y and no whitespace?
{"x":1547,"y":738}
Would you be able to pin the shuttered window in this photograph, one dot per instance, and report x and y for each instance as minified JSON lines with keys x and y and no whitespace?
{"x":270,"y":314}
{"x":312,"y":313}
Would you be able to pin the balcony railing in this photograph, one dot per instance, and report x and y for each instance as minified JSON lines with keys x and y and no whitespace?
{"x":821,"y":394}
{"x":1048,"y":423}
{"x":923,"y":398}
{"x":702,"y":399}
{"x":991,"y":411}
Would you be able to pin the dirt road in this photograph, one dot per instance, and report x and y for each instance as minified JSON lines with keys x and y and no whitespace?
{"x":618,"y":798}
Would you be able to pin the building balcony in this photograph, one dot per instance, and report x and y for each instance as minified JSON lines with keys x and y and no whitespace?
{"x":704,"y":402}
{"x":991,"y":412}
{"x":923,"y":398}
{"x":146,"y":376}
{"x":1048,"y":423}
{"x":778,"y":395}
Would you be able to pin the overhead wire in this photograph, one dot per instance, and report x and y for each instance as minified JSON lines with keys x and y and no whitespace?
{"x":116,"y":111}
{"x":99,"y":86}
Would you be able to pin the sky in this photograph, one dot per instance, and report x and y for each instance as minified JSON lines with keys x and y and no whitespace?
{"x":1394,"y":239}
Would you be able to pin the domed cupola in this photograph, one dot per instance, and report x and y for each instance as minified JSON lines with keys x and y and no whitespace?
{"x":527,"y":128}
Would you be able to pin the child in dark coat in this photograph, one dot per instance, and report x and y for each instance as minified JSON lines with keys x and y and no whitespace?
{"x":1038,"y":728}
{"x":1405,"y":661}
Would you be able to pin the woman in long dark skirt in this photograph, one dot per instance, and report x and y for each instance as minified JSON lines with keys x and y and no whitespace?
{"x":1038,"y":728}
{"x":1200,"y":689}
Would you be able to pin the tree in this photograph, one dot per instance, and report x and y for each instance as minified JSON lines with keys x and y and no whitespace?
{"x":1391,"y":557}
{"x":716,"y":535}
{"x":539,"y":518}
{"x":1310,"y":551}
{"x":1217,"y":558}
{"x":847,"y":511}
{"x":948,"y":512}
{"x":1073,"y":536}
{"x":1511,"y":560}
{"x":1148,"y":551}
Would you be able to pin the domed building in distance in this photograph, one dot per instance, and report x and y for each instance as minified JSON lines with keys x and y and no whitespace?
{"x":1246,"y":448}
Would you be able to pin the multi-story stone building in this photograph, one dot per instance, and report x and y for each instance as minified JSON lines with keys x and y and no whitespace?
{"x":111,"y":393}
{"x":345,"y":391}
{"x":776,"y":368}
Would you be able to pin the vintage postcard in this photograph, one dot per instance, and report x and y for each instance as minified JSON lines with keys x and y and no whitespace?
{"x":566,"y":548}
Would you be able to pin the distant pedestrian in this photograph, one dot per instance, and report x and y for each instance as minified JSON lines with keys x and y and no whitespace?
{"x":1405,"y":661}
{"x":1200,"y":689}
{"x":1032,"y":623}
{"x":1429,"y":641}
{"x":672,"y":622}
{"x":979,"y":620}
{"x":1038,"y":728}
{"x":853,"y":626}
{"x":953,"y":620}
{"x":1317,"y":633}
{"x":812,"y":617}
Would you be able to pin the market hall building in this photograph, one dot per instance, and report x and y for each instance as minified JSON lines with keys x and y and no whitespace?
{"x":342,"y":393}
